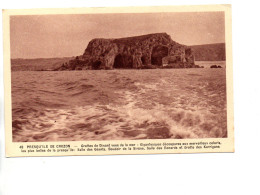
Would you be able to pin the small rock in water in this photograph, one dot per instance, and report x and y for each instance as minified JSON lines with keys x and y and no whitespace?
{"x":215,"y":66}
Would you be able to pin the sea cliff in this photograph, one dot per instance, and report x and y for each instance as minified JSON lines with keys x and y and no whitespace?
{"x":147,"y":51}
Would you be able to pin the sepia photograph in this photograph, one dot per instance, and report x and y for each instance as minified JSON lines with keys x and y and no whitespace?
{"x":118,"y":76}
{"x":129,"y":97}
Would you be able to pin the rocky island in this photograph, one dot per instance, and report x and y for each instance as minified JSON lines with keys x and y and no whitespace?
{"x":146,"y":51}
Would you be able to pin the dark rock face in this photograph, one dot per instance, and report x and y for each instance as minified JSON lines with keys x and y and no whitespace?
{"x":210,"y":52}
{"x":146,"y":51}
{"x":215,"y":66}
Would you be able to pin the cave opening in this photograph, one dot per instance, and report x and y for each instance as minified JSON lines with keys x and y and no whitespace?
{"x":144,"y":60}
{"x":123,"y":61}
{"x":96,"y":65}
{"x":158,"y":53}
{"x":118,"y":61}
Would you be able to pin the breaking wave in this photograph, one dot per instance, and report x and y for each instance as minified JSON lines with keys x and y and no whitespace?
{"x":119,"y":104}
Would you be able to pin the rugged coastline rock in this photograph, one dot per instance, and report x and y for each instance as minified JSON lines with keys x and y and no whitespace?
{"x":210,"y":52}
{"x":215,"y":66}
{"x":147,"y":51}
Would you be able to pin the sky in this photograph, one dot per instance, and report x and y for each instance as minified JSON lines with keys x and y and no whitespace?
{"x":47,"y":36}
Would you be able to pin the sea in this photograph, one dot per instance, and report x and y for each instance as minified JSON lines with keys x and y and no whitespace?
{"x":120,"y":104}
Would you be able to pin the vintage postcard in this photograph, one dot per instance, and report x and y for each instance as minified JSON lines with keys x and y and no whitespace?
{"x":132,"y":80}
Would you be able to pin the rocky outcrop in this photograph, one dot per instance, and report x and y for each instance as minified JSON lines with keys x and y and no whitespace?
{"x":146,"y":51}
{"x":215,"y":66}
{"x":209,"y":52}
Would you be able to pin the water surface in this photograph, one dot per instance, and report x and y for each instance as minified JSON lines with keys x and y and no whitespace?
{"x":118,"y":104}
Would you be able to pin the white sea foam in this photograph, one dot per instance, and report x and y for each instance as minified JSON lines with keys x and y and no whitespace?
{"x":177,"y":104}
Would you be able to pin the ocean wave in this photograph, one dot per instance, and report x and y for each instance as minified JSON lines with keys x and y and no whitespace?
{"x":118,"y":105}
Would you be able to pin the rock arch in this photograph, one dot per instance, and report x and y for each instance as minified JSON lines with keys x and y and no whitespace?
{"x":123,"y":61}
{"x":133,"y":52}
{"x":158,"y":53}
{"x":118,"y":62}
{"x":145,"y":60}
{"x":97,"y":64}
